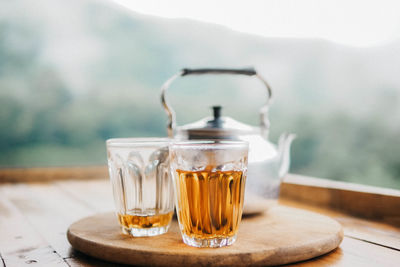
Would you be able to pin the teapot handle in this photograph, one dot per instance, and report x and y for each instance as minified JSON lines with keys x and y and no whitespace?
{"x":246,"y":71}
{"x":264,"y":121}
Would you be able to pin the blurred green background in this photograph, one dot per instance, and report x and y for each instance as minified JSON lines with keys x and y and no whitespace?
{"x":74,"y":73}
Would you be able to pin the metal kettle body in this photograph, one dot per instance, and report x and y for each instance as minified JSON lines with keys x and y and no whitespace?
{"x":267,"y":162}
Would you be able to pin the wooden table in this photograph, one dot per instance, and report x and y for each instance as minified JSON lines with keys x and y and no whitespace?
{"x":38,"y":205}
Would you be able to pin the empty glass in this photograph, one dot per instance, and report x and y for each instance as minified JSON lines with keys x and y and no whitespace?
{"x":142,"y":186}
{"x":209,"y":179}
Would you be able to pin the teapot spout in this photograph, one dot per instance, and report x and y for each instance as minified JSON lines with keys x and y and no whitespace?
{"x":285,"y":141}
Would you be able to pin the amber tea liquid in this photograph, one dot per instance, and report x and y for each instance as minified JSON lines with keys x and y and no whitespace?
{"x":210,"y":203}
{"x":138,"y":221}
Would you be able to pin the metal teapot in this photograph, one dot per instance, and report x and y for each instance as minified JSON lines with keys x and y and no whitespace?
{"x":268,"y":162}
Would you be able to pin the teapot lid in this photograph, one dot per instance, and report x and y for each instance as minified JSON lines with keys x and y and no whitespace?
{"x":216,"y":127}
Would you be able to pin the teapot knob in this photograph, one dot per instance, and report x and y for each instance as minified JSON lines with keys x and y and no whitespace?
{"x":216,"y":112}
{"x":217,"y":121}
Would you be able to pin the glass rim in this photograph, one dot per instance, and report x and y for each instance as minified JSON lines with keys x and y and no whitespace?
{"x":137,"y":141}
{"x":207,"y":144}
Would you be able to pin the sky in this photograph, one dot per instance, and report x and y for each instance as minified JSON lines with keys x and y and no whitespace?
{"x":361,"y":23}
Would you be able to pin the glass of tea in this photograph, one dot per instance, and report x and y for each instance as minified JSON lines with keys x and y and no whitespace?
{"x":142,"y":185}
{"x":209,"y":179}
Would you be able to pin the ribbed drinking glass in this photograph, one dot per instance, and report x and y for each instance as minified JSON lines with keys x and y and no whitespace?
{"x":142,"y":185}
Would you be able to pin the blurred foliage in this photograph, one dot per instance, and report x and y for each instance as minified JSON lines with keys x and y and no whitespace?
{"x":68,"y":85}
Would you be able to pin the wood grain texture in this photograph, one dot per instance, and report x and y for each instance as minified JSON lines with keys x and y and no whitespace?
{"x":95,"y":194}
{"x":34,"y":218}
{"x":358,"y":200}
{"x":29,"y":175}
{"x":355,"y":253}
{"x":82,"y":260}
{"x":20,"y":243}
{"x":281,"y":236}
{"x":375,"y":232}
{"x":46,"y":207}
{"x":2,"y":261}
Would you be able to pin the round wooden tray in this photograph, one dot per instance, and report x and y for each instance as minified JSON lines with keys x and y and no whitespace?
{"x":279,"y":236}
